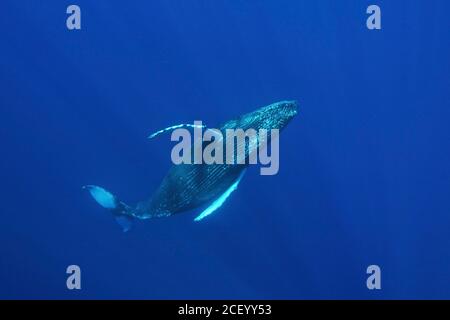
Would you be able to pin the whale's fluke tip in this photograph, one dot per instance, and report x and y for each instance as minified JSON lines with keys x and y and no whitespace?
{"x":122,"y":212}
{"x":103,"y":197}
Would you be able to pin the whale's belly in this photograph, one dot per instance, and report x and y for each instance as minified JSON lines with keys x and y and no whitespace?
{"x":189,"y":186}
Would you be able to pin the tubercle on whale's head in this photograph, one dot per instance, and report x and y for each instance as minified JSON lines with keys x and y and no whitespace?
{"x":277,"y":115}
{"x":288,"y":109}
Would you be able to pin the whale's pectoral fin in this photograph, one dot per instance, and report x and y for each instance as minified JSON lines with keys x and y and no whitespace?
{"x":106,"y":199}
{"x":220,"y":201}
{"x":171,"y":128}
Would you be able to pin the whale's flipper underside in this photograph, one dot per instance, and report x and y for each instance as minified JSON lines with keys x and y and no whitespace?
{"x":220,"y":201}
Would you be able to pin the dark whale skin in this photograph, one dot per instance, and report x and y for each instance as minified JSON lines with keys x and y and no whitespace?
{"x":189,"y":186}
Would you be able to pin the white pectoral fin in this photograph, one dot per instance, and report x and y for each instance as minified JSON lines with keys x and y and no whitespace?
{"x":220,"y":201}
{"x":171,"y":128}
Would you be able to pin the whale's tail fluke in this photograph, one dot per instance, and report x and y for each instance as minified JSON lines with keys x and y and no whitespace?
{"x":123,"y":213}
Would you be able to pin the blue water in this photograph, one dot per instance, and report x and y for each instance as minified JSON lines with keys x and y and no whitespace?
{"x":364,"y":175}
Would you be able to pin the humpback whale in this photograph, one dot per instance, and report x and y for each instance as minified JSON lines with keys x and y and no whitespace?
{"x":191,"y":186}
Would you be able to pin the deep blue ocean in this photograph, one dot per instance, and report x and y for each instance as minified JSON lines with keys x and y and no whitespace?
{"x":364,"y":167}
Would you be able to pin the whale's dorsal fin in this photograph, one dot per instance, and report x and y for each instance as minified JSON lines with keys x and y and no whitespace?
{"x":220,"y":201}
{"x":177,"y":126}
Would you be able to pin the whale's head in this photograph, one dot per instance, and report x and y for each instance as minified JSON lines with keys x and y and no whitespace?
{"x":281,"y":113}
{"x":274,"y":116}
